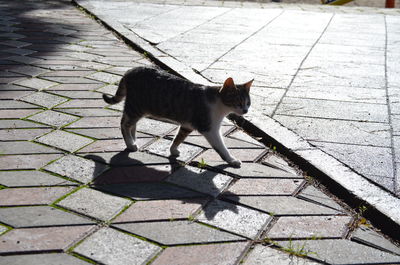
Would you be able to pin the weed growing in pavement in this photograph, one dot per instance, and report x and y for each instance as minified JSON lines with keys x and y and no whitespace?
{"x":202,"y":164}
{"x":298,"y":248}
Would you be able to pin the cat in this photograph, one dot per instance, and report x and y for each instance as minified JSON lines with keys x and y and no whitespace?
{"x":152,"y":92}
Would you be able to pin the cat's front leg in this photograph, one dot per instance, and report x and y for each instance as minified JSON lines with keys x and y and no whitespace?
{"x":215,"y":140}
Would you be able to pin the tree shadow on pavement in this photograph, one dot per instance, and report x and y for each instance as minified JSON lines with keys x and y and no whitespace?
{"x":132,"y":178}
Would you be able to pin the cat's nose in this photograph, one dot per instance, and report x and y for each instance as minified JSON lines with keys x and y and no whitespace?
{"x":245,"y":111}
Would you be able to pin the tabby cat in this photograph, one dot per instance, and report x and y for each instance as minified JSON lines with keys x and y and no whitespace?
{"x":153,"y":92}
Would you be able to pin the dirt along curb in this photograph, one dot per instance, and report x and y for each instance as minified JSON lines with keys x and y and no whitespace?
{"x":382,"y":207}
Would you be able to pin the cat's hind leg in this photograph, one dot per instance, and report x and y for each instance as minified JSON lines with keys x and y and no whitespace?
{"x":179,"y":138}
{"x":128,"y":129}
{"x":215,"y":139}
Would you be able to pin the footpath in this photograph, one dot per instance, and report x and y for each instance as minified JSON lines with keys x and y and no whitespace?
{"x":71,"y":194}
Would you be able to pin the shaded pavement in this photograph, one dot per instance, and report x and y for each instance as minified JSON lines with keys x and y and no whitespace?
{"x":71,"y":194}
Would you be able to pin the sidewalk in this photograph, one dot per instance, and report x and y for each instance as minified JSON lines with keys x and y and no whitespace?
{"x":70,"y":194}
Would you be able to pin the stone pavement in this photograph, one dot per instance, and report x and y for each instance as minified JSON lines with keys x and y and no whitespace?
{"x":71,"y":194}
{"x":328,"y":74}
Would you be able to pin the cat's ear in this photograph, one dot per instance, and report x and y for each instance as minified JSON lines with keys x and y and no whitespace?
{"x":228,"y":85}
{"x":248,"y":85}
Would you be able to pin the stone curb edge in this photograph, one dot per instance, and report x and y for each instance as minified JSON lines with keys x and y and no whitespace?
{"x":383,"y":203}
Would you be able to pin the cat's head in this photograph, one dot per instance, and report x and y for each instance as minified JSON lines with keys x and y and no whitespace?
{"x":236,"y":97}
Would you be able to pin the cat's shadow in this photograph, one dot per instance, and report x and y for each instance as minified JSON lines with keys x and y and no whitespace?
{"x":131,"y":178}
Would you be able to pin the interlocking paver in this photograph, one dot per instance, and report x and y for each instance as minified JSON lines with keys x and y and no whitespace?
{"x":103,"y":133}
{"x":25,"y":147}
{"x":264,"y":187}
{"x":178,"y":232}
{"x":310,"y":226}
{"x":96,"y":122}
{"x":44,"y":99}
{"x":74,"y":87}
{"x":64,"y":140}
{"x":282,"y":205}
{"x":16,"y":134}
{"x":36,"y":83}
{"x":134,"y":174}
{"x":20,"y":124}
{"x":76,"y":168}
{"x":84,"y":103}
{"x":201,"y":180}
{"x":110,"y":246}
{"x":112,"y":145}
{"x":126,"y":158}
{"x":31,"y":196}
{"x":91,"y":112}
{"x":53,"y":118}
{"x":20,"y":217}
{"x":211,"y":157}
{"x":370,"y":237}
{"x":42,"y":259}
{"x":17,"y":114}
{"x":313,"y":194}
{"x":154,"y":127}
{"x":255,"y":170}
{"x":220,"y":254}
{"x":42,"y":239}
{"x":234,"y":218}
{"x":338,"y":251}
{"x":23,"y":178}
{"x":12,"y":162}
{"x":161,"y":147}
{"x":160,"y":210}
{"x":266,"y":255}
{"x":94,"y":203}
{"x":105,"y":77}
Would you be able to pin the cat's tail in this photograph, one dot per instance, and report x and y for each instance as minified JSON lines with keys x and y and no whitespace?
{"x":119,"y":96}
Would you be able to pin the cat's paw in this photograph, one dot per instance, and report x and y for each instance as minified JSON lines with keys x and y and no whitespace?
{"x":133,"y":147}
{"x":174,"y":152}
{"x":235,"y":162}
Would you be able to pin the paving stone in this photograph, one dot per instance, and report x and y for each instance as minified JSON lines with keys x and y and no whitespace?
{"x":94,"y":203}
{"x":369,"y":237}
{"x":149,"y":191}
{"x":19,"y":217}
{"x":44,"y":99}
{"x":212,"y":158}
{"x":13,"y":104}
{"x":2,"y":230}
{"x":53,"y":118}
{"x":30,"y":178}
{"x":16,"y":114}
{"x":91,"y":112}
{"x":213,"y":254}
{"x":310,"y":226}
{"x":24,"y":147}
{"x":201,"y":180}
{"x":64,"y":140}
{"x":84,"y":103}
{"x":147,"y":173}
{"x":42,"y":239}
{"x":161,"y":147}
{"x":108,"y":89}
{"x":12,"y":162}
{"x":103,"y":133}
{"x":69,"y":79}
{"x":20,"y":124}
{"x":105,"y":77}
{"x":78,"y":73}
{"x":342,"y":252}
{"x":264,"y":187}
{"x":109,"y":246}
{"x":314,"y":195}
{"x":112,"y":145}
{"x":282,"y":205}
{"x":31,"y":196}
{"x":77,"y":168}
{"x":160,"y":210}
{"x":13,"y":95}
{"x":254,"y":170}
{"x":42,"y":259}
{"x":36,"y":83}
{"x":266,"y":255}
{"x":126,"y":158}
{"x":334,"y":110}
{"x":338,"y":131}
{"x":234,"y":218}
{"x":154,"y":127}
{"x":75,"y":87}
{"x":16,"y":134}
{"x":278,"y":162}
{"x":178,"y":232}
{"x":96,"y":122}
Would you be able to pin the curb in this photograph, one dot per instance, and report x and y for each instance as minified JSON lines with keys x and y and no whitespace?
{"x":383,"y":207}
